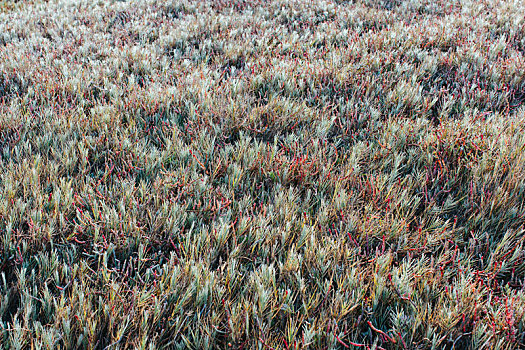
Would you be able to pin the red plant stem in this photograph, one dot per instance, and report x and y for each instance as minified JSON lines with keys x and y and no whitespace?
{"x":265,"y":345}
{"x":358,"y":345}
{"x":381,"y":332}
{"x":340,"y":341}
{"x":402,"y":340}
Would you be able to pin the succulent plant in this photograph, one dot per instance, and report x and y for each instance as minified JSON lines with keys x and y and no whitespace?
{"x":262,"y":174}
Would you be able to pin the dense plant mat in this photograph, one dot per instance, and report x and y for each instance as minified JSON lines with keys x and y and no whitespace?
{"x":262,"y":174}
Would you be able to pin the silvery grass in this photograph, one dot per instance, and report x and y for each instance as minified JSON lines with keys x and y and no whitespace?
{"x":271,"y":175}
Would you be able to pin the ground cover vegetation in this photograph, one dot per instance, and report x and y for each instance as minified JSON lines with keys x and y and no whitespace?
{"x":262,"y":174}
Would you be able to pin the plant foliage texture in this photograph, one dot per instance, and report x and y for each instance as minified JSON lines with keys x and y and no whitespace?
{"x":248,"y":174}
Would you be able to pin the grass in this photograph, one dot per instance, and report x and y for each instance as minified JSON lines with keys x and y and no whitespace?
{"x":262,"y":174}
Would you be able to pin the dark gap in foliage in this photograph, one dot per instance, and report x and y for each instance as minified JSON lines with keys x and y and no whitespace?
{"x":98,"y":95}
{"x":9,"y":137}
{"x":139,"y":78}
{"x":266,"y":128}
{"x":445,"y":77}
{"x":328,"y":92}
{"x":345,"y":2}
{"x":231,"y":137}
{"x":12,"y":86}
{"x":30,"y":261}
{"x":156,"y":126}
{"x":517,"y":97}
{"x":514,"y":40}
{"x":14,"y":303}
{"x":389,"y":5}
{"x":448,"y":82}
{"x":97,"y":158}
{"x":264,"y":91}
{"x":108,"y":162}
{"x":265,"y":189}
{"x":438,"y":9}
{"x":195,"y":47}
{"x":119,"y":19}
{"x":323,"y":44}
{"x":221,"y":258}
{"x":301,"y":21}
{"x":344,"y":132}
{"x":442,"y":83}
{"x":231,"y":66}
{"x":44,"y":30}
{"x":443,"y":46}
{"x":519,"y":44}
{"x":235,"y":5}
{"x":175,"y":11}
{"x":366,"y":26}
